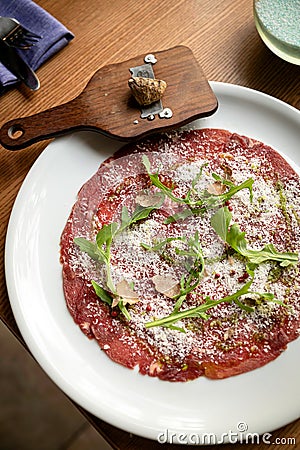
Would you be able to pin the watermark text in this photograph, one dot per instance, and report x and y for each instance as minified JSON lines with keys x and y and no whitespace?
{"x":240,"y":435}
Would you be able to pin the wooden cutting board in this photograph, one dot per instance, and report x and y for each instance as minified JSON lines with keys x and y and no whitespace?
{"x":106,"y":104}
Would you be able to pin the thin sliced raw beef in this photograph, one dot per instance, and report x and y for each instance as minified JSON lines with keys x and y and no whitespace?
{"x":231,"y":339}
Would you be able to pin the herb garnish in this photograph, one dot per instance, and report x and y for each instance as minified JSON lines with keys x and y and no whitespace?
{"x":200,"y":311}
{"x":233,"y":236}
{"x":100,"y":250}
{"x":193,"y":203}
{"x":194,"y":264}
{"x":197,"y":202}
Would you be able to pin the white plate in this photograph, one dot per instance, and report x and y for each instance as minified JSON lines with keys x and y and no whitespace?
{"x":260,"y":401}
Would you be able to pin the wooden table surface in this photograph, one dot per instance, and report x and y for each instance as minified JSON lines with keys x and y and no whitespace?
{"x":223,"y":38}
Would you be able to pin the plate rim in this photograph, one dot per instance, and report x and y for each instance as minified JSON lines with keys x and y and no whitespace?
{"x":147,"y":432}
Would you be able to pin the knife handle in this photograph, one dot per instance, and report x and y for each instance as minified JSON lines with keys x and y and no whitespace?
{"x":20,"y":133}
{"x":17,"y":66}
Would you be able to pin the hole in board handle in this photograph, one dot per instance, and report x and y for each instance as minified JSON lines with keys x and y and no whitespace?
{"x":15,"y":132}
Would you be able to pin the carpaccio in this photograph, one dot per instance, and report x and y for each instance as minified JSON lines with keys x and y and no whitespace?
{"x":230,"y":340}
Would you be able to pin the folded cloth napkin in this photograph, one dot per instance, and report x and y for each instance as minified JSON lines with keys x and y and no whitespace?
{"x":54,"y":35}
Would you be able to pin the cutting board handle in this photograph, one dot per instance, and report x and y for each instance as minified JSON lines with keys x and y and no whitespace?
{"x":20,"y":133}
{"x":106,"y":104}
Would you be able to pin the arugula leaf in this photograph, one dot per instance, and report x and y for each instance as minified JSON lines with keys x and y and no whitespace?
{"x":193,"y":190}
{"x":173,"y":327}
{"x":160,"y":244}
{"x":187,"y":212}
{"x":198,"y":311}
{"x":220,"y":222}
{"x":104,"y":240}
{"x":101,"y":249}
{"x":234,"y":237}
{"x":89,"y":247}
{"x":124,"y":310}
{"x":102,"y":293}
{"x":195,"y":269}
{"x":140,"y":213}
{"x":106,"y":297}
{"x":204,"y":200}
{"x":269,"y":252}
{"x":247,"y":184}
{"x":105,"y":235}
{"x":156,"y":181}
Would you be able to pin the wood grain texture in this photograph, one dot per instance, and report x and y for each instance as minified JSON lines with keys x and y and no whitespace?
{"x":106,"y":104}
{"x":223,"y":39}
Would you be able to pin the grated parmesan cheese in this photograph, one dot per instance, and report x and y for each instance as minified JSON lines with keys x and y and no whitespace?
{"x":265,"y":220}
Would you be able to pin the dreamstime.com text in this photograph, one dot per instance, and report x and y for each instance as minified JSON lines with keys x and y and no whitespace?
{"x":241,"y":435}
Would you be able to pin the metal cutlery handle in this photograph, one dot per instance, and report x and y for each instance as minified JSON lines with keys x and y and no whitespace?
{"x":17,"y":66}
{"x":15,"y":34}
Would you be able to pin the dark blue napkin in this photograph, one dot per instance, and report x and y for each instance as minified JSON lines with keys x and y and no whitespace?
{"x":54,"y":35}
